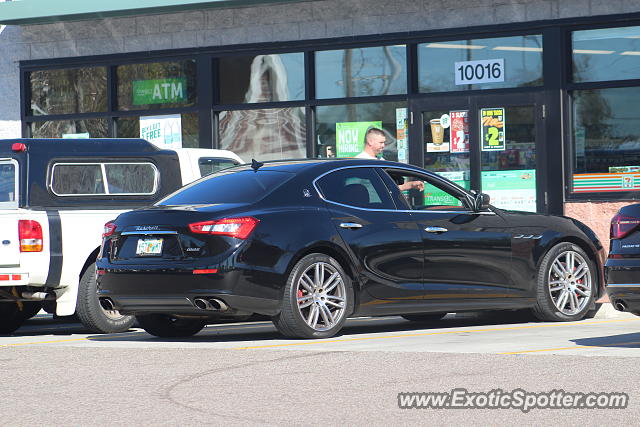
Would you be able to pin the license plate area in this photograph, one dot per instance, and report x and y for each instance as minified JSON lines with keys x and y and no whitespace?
{"x":149,"y":247}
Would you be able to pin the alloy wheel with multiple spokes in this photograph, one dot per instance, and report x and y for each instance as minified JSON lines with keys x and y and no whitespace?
{"x":566,"y":284}
{"x":321,"y":296}
{"x":569,"y":282}
{"x":317,"y":298}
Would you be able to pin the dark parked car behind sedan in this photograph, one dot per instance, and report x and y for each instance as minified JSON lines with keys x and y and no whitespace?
{"x":622,"y":269}
{"x":313,"y":242}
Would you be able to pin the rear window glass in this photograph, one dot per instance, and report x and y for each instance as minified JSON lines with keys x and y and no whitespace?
{"x":75,"y":179}
{"x":8,"y":196}
{"x":210,"y":165}
{"x":244,"y":186}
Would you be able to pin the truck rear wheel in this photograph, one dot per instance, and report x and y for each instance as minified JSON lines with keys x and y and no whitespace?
{"x":91,"y":313}
{"x":11,"y":317}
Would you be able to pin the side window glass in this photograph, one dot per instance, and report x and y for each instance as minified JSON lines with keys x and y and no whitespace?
{"x":104,"y":179}
{"x":359,"y":187}
{"x":208,"y":166}
{"x":8,"y":188}
{"x":77,"y":179}
{"x":128,"y":178}
{"x":418,"y":192}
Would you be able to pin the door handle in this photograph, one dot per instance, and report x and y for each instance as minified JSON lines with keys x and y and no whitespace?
{"x":350,"y":225}
{"x":435,"y":229}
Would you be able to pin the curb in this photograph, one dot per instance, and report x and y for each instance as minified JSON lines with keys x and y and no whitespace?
{"x":607,"y":311}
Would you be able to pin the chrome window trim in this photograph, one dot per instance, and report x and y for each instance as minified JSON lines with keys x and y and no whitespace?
{"x":102,"y":165}
{"x":317,"y":188}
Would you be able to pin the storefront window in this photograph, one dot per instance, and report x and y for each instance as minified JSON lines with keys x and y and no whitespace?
{"x":480,"y":64}
{"x":90,"y":128}
{"x":68,"y":91}
{"x":157,"y":85}
{"x":366,"y":71}
{"x":606,"y":54}
{"x":606,"y":140}
{"x":341,"y":129}
{"x":261,"y":78}
{"x":187,"y":136}
{"x":265,"y":134}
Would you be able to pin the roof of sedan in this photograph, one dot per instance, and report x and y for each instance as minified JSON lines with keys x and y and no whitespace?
{"x":297,"y":165}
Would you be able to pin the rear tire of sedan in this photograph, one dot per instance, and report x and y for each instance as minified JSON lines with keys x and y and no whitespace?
{"x":91,"y":313}
{"x":167,"y":326}
{"x":565,"y":285}
{"x":317,"y":299}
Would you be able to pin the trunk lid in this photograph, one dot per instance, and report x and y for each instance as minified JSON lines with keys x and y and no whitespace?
{"x":161,"y":234}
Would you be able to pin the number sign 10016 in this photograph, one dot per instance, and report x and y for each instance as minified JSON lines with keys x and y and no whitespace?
{"x":483,"y":71}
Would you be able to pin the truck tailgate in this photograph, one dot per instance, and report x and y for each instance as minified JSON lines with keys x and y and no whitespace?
{"x":9,"y":245}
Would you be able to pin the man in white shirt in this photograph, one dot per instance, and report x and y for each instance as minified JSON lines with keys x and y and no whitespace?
{"x":374,"y":140}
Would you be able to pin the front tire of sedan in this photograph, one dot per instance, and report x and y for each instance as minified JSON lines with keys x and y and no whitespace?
{"x":91,"y":313}
{"x":317,"y":299}
{"x":566,"y":284}
{"x":166,"y":326}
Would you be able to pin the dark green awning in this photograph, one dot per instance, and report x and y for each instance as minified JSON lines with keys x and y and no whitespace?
{"x":23,"y":12}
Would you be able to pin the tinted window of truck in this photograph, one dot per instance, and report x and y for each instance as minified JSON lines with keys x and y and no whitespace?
{"x":82,"y":179}
{"x":8,"y":188}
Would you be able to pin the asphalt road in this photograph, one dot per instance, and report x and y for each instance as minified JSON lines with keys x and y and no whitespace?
{"x":239,"y":374}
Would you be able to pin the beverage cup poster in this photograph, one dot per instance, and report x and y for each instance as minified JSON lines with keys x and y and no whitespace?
{"x":350,"y":137}
{"x":459,"y":131}
{"x":163,"y":131}
{"x":436,"y":131}
{"x":493,"y":125}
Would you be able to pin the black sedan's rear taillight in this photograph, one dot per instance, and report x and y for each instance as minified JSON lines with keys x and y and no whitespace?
{"x":239,"y":228}
{"x":622,"y":226}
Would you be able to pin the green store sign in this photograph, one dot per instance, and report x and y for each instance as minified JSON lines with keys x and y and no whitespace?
{"x":159,"y":91}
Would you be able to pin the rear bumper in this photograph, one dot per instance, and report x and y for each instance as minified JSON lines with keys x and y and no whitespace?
{"x":13,"y":278}
{"x":171,"y":292}
{"x":623,"y":283}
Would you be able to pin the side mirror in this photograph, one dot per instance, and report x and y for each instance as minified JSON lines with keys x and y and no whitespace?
{"x":482,"y":202}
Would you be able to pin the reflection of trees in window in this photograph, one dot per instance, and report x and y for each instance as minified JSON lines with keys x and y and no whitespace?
{"x":359,"y":71}
{"x":68,"y":91}
{"x":267,"y":134}
{"x":96,"y":128}
{"x":593,"y":113}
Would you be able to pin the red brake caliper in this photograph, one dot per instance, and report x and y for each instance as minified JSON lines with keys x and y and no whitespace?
{"x":300,"y":295}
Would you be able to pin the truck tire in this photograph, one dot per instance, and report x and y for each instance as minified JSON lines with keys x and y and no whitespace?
{"x":11,"y":317}
{"x":91,"y":313}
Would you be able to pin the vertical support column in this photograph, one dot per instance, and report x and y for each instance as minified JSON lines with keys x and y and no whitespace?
{"x":205,"y":78}
{"x":556,"y":131}
{"x":112,"y":101}
{"x":310,"y":94}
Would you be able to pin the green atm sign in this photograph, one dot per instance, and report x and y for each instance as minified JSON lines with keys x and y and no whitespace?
{"x":160,"y":91}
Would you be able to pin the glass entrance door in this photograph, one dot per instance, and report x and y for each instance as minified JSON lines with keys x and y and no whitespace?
{"x":485,"y":143}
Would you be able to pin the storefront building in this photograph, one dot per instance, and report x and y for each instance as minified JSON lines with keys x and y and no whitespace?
{"x":532,"y":102}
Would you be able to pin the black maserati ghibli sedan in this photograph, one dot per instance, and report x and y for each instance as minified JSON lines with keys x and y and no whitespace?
{"x":312,"y":242}
{"x":622,"y":269}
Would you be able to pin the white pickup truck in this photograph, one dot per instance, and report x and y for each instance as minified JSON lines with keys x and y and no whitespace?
{"x":55,"y":197}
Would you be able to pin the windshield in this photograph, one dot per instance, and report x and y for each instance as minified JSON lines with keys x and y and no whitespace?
{"x":8,"y":196}
{"x":244,"y":186}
